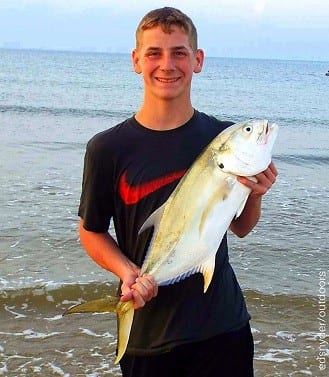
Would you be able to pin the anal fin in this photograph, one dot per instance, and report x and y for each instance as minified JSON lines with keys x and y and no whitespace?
{"x":207,"y":269}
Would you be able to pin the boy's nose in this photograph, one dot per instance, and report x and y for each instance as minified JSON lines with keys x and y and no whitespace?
{"x":167,"y":63}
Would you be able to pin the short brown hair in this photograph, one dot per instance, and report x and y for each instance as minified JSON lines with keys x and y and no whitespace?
{"x":167,"y":17}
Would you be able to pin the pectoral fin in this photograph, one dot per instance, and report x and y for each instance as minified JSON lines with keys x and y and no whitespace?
{"x":243,"y":203}
{"x":218,"y":196}
{"x":240,"y":209}
{"x":125,"y":311}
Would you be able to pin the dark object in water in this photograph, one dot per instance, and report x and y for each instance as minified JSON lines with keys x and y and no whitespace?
{"x":327,"y":74}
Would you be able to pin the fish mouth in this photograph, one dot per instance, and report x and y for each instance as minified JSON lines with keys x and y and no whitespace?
{"x":267,"y":132}
{"x":264,"y":135}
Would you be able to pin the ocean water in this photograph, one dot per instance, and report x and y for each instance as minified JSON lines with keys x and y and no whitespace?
{"x":51,"y":103}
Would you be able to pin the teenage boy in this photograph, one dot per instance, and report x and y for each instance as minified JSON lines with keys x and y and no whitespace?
{"x":130,"y":170}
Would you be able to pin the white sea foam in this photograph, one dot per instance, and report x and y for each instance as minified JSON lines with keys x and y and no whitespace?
{"x":31,"y":334}
{"x":55,"y":318}
{"x":254,"y":331}
{"x":58,"y":371}
{"x":311,"y":336}
{"x":286,"y":336}
{"x":91,"y":333}
{"x":67,"y":354}
{"x":3,"y":364}
{"x":299,"y":372}
{"x":72,"y":302}
{"x":3,"y":368}
{"x":16,"y":314}
{"x":277,"y":355}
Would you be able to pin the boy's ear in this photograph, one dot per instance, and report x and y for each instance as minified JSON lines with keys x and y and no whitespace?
{"x":199,"y":58}
{"x":135,"y":60}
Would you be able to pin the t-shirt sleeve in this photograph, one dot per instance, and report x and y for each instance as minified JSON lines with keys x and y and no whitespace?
{"x":96,"y":201}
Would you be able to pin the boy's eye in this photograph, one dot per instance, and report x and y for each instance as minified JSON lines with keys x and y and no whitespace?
{"x":153,"y":53}
{"x":180,"y":53}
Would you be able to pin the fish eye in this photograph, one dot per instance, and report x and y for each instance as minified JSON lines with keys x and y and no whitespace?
{"x":247,"y":128}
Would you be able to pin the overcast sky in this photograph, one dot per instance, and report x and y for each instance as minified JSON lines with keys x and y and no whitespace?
{"x":288,"y":29}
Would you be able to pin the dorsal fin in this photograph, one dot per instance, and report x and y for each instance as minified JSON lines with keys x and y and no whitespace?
{"x":153,"y":219}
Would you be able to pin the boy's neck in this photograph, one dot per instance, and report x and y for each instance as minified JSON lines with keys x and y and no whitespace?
{"x":164,"y":116}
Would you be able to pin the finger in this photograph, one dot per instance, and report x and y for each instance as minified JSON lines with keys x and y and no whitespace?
{"x":258,"y":187}
{"x":265,"y":179}
{"x":139,"y":301}
{"x":143,"y":291}
{"x":273,"y":168}
{"x":150,"y":283}
{"x":270,"y":173}
{"x":126,"y":296}
{"x":248,"y":182}
{"x":146,"y":286}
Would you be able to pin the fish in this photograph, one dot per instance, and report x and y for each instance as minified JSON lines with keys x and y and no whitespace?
{"x":190,"y":225}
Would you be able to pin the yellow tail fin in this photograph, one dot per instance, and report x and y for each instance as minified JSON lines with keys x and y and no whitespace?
{"x":125,"y":312}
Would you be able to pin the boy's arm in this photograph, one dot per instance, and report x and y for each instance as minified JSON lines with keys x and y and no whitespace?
{"x":103,"y":249}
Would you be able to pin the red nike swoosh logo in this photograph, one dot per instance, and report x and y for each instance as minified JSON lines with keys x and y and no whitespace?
{"x":133,"y":194}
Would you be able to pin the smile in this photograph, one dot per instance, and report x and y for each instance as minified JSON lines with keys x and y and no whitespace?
{"x":167,"y":81}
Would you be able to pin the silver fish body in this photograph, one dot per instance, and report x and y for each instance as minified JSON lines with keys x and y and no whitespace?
{"x":190,"y":225}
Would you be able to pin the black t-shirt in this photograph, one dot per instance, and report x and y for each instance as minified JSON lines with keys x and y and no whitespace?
{"x":129,"y":172}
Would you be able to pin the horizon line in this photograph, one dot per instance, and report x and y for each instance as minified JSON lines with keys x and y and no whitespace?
{"x":109,"y":52}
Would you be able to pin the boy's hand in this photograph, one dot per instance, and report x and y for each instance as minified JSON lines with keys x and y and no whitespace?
{"x":140,"y":289}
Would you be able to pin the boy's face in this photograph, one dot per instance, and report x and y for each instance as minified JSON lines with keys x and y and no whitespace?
{"x":167,"y":63}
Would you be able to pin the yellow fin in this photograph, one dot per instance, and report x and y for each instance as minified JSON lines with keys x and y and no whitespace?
{"x":207,"y":270}
{"x":125,"y":311}
{"x":153,"y":219}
